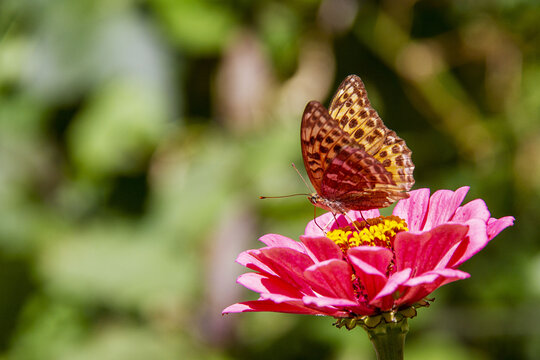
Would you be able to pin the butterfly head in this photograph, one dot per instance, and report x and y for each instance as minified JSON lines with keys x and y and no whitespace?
{"x":326,"y":204}
{"x":314,"y":198}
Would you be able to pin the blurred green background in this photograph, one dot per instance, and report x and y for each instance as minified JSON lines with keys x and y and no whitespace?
{"x":136,"y":136}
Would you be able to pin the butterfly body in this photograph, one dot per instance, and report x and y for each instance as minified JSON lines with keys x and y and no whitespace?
{"x":353,"y":161}
{"x":323,"y":203}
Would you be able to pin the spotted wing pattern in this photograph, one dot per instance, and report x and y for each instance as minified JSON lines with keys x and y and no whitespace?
{"x":322,"y":139}
{"x":351,"y":107}
{"x":351,"y":158}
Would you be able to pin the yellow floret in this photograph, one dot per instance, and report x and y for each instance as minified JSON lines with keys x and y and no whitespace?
{"x":379,"y":231}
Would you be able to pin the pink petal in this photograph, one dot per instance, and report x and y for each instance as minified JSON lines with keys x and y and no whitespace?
{"x":371,"y":264}
{"x":394,"y":282}
{"x":324,"y":303}
{"x":417,"y":288}
{"x":376,"y":256}
{"x":313,"y":228}
{"x":267,"y":305}
{"x":431,"y":276}
{"x":495,"y":226}
{"x":372,"y":280}
{"x":331,"y":278}
{"x":477,"y":238}
{"x":339,"y":222}
{"x":473,"y":209}
{"x":422,"y":252}
{"x":276,"y":240}
{"x":366,"y":214}
{"x":454,"y":255}
{"x":442,"y":206}
{"x":289,"y":265}
{"x":413,"y":210}
{"x":280,"y":299}
{"x":250,"y":259}
{"x":328,"y":221}
{"x":322,"y":248}
{"x":267,"y":284}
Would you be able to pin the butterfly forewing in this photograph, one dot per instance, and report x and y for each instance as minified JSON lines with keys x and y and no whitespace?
{"x":351,"y":107}
{"x":322,"y":140}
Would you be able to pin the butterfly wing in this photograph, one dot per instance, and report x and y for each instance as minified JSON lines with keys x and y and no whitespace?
{"x":358,"y":181}
{"x":354,"y":115}
{"x":352,"y":159}
{"x":338,"y":167}
{"x":321,"y":139}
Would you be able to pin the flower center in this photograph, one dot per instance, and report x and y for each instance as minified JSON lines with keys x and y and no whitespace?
{"x":379,"y":231}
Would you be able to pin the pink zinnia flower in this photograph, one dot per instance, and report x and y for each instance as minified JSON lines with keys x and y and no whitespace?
{"x":354,"y":270}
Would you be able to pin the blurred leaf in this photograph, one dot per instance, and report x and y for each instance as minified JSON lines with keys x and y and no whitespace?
{"x":13,"y":52}
{"x":113,"y":265}
{"x":191,"y":186}
{"x":280,"y":30}
{"x":121,"y":214}
{"x":124,"y":342}
{"x":201,"y":27}
{"x":48,"y":331}
{"x":430,"y":348}
{"x":106,"y":40}
{"x":117,"y":130}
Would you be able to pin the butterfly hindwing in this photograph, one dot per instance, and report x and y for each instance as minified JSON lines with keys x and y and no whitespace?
{"x":357,"y":180}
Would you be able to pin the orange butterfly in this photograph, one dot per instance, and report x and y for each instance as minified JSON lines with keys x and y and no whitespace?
{"x":352,"y":159}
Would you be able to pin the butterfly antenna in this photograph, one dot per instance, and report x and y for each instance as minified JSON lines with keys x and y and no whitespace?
{"x":301,"y":177}
{"x":282,"y":196}
{"x":285,"y":196}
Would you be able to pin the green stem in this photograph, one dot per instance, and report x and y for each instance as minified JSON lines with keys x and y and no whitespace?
{"x":388,"y":339}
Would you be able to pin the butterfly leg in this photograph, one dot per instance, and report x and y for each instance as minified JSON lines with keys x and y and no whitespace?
{"x":319,"y":226}
{"x":315,"y":218}
{"x":335,"y":219}
{"x":363,"y":218}
{"x":323,"y":229}
{"x":328,"y":223}
{"x":352,"y":221}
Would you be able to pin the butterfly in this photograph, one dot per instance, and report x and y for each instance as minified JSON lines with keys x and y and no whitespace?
{"x":352,"y":159}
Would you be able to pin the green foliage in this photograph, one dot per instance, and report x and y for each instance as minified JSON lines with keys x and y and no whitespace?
{"x":136,"y":137}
